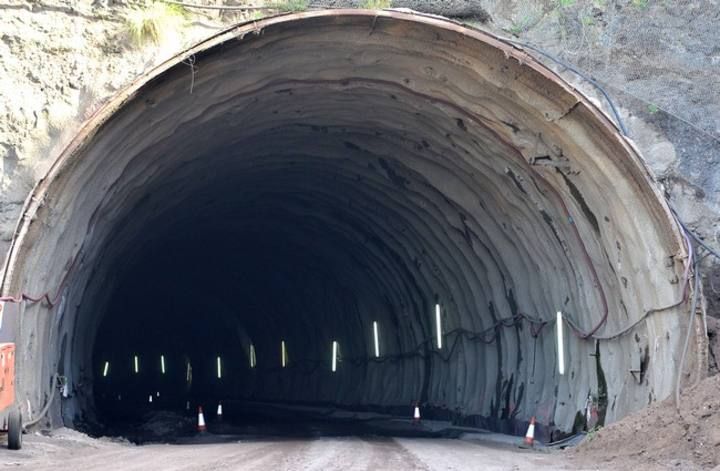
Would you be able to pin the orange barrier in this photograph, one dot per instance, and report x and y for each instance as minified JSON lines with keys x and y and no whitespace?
{"x":7,"y":375}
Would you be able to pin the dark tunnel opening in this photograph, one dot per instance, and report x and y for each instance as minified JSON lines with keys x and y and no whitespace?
{"x":338,"y":174}
{"x":283,"y":262}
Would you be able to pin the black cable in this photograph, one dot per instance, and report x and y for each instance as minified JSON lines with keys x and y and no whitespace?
{"x":582,"y":74}
{"x":618,"y":120}
{"x":702,"y":243}
{"x":691,"y":323}
{"x":617,"y":116}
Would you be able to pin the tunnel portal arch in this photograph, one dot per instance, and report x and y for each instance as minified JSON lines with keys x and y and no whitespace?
{"x":372,"y":165}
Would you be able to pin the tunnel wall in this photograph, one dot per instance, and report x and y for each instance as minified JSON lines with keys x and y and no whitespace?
{"x":450,"y":167}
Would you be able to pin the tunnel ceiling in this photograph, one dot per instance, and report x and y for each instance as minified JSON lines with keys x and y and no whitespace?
{"x":300,"y":177}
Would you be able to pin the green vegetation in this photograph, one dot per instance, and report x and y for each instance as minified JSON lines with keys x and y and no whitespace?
{"x":566,"y":3}
{"x":587,"y":21}
{"x":521,"y":26}
{"x":592,"y":433}
{"x":652,"y":108}
{"x":377,"y":4}
{"x":292,"y":5}
{"x":154,"y":22}
{"x":641,"y":4}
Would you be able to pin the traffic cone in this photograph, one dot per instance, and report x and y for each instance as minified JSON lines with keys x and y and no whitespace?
{"x":219,"y":411}
{"x":416,"y":413}
{"x":530,"y":435}
{"x":201,"y":420}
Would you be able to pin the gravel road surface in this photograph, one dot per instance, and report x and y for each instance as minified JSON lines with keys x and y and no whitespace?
{"x":68,"y":449}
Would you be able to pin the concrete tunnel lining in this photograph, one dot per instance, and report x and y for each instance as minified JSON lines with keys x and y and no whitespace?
{"x":398,"y":160}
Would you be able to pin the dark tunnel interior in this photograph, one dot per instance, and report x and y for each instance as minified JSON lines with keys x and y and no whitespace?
{"x":280,"y":262}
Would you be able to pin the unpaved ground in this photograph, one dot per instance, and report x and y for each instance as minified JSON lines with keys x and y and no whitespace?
{"x":660,"y":436}
{"x":72,"y":450}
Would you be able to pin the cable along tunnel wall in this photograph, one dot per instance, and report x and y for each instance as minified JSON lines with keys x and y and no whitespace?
{"x":395,"y":161}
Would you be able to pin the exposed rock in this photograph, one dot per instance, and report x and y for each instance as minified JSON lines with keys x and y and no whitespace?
{"x":466,"y":9}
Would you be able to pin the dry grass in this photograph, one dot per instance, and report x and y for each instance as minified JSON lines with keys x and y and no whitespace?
{"x":377,"y":4}
{"x":155,"y":22}
{"x":291,"y":5}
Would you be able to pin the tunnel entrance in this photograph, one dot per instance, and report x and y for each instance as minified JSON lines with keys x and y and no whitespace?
{"x":311,"y":179}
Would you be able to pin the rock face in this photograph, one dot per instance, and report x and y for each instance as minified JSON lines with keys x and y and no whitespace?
{"x":463,"y":9}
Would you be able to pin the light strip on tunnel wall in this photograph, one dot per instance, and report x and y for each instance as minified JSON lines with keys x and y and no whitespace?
{"x":334,"y":356}
{"x":137,"y":364}
{"x":162,"y":364}
{"x":219,"y":368}
{"x":283,"y":354}
{"x":376,"y":338}
{"x":253,"y":360}
{"x":560,"y":344}
{"x":106,"y":368}
{"x":438,"y":326}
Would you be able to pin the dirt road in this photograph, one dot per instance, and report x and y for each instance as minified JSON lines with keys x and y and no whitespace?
{"x":71,"y":450}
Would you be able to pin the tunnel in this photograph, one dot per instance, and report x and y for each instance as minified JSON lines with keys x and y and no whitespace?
{"x":363,"y":209}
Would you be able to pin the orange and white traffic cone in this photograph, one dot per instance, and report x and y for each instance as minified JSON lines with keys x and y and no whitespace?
{"x":201,"y":420}
{"x":416,"y":414}
{"x":530,"y":435}
{"x":219,"y":411}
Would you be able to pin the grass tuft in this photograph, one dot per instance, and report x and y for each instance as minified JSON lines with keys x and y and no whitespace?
{"x":376,"y":4}
{"x":292,"y":5}
{"x":154,"y":22}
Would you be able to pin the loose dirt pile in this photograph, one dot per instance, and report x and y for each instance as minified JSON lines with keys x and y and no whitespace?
{"x":662,"y":436}
{"x":163,"y":424}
